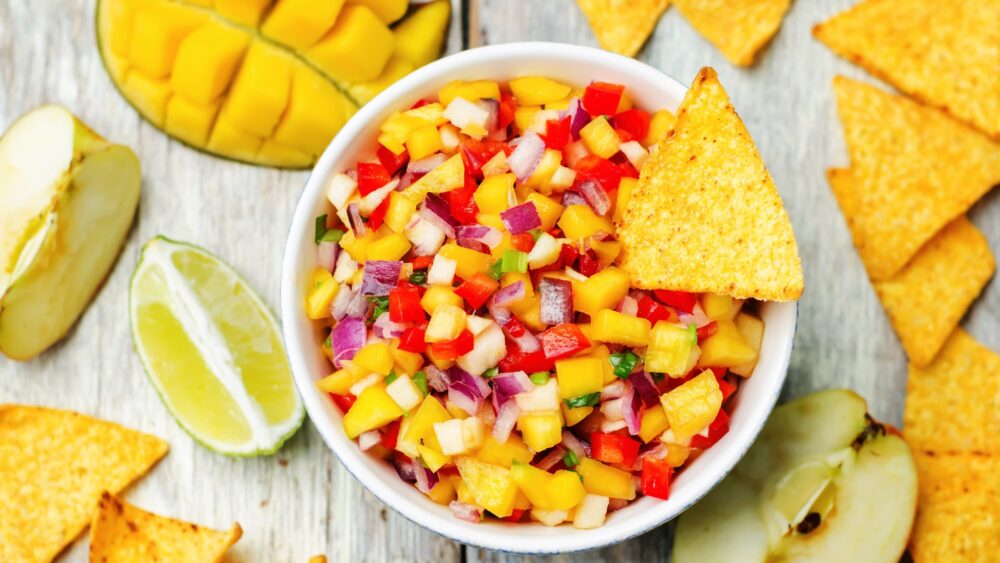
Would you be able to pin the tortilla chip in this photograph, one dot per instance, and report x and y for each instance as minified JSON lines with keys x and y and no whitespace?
{"x":958,"y":513}
{"x":623,"y":26}
{"x":915,"y":170}
{"x":739,"y":28}
{"x":705,"y":215}
{"x":942,"y":53}
{"x":930,"y":295}
{"x":123,"y":533}
{"x":54,"y":464}
{"x":953,"y":404}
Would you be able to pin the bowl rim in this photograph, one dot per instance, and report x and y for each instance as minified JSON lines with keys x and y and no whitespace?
{"x":354,"y":461}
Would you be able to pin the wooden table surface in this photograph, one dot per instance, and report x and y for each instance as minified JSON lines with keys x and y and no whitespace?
{"x":301,"y":502}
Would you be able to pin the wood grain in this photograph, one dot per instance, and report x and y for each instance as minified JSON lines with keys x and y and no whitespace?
{"x":301,"y":501}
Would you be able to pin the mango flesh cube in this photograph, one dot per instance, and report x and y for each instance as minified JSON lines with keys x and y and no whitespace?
{"x":579,"y":376}
{"x":725,"y":348}
{"x":505,"y":454}
{"x":189,"y":121}
{"x":693,"y":405}
{"x":387,"y":10}
{"x":276,"y":154}
{"x":122,"y":14}
{"x":537,"y":90}
{"x":491,"y":485}
{"x":246,"y":12}
{"x":314,"y":115}
{"x":356,"y":48}
{"x":157,"y":33}
{"x":260,"y":92}
{"x":604,"y":480}
{"x":149,"y":96}
{"x":301,"y":23}
{"x":207,"y":60}
{"x":230,"y":140}
{"x":373,"y":409}
{"x":395,"y":69}
{"x":752,"y":330}
{"x":533,"y":483}
{"x":419,"y":38}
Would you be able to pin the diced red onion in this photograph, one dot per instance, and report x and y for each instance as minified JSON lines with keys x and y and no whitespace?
{"x":508,"y":294}
{"x":458,"y":374}
{"x":473,"y":244}
{"x":657,"y":451}
{"x":426,"y":479}
{"x":505,"y":421}
{"x":644,"y":388}
{"x":556,"y":305}
{"x":407,"y":179}
{"x":595,"y":195}
{"x":354,"y":216}
{"x":478,"y":236}
{"x":349,"y":302}
{"x":437,"y":211}
{"x":526,"y":156}
{"x":628,"y":306}
{"x":631,"y":409}
{"x":385,"y":328}
{"x":580,"y":117}
{"x":466,"y":512}
{"x":526,"y":341}
{"x":346,"y":338}
{"x":614,"y":409}
{"x":404,"y":468}
{"x":613,"y":390}
{"x":367,"y":440}
{"x":500,"y":314}
{"x":326,"y":255}
{"x":554,"y":456}
{"x":426,"y":164}
{"x":572,"y":198}
{"x":380,"y":276}
{"x":437,"y":379}
{"x":521,"y":218}
{"x":609,"y":426}
{"x":465,"y":397}
{"x":509,"y":384}
{"x":697,"y":316}
{"x":575,"y":445}
{"x":492,"y":108}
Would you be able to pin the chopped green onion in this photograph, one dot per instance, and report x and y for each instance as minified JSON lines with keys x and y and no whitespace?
{"x":693,"y":331}
{"x":513,"y":261}
{"x":381,"y":303}
{"x":320,"y":227}
{"x":624,"y":363}
{"x":419,"y":277}
{"x":536,"y":234}
{"x":391,"y":377}
{"x":539,"y":377}
{"x":332,"y":235}
{"x":326,"y":343}
{"x":494,"y":271}
{"x":588,"y":400}
{"x":491,"y":373}
{"x":420,"y":379}
{"x":570,"y":459}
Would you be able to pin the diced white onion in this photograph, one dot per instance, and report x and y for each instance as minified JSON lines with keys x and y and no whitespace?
{"x":365,"y":383}
{"x":635,"y":153}
{"x":404,"y":392}
{"x":339,"y":189}
{"x":442,"y":271}
{"x":541,"y":398}
{"x":426,"y":237}
{"x":591,"y":512}
{"x":346,"y":268}
{"x":462,"y":113}
{"x":562,"y":178}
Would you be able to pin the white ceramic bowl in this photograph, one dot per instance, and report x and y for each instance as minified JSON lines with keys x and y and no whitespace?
{"x":650,"y":89}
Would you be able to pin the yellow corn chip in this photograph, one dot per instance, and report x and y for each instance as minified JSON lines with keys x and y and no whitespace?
{"x":122,"y":533}
{"x":739,"y":28}
{"x":705,"y":215}
{"x":928,"y":297}
{"x":54,"y":465}
{"x":958,"y":514}
{"x":953,"y":404}
{"x":915,"y":170}
{"x":622,"y":26}
{"x":944,"y":54}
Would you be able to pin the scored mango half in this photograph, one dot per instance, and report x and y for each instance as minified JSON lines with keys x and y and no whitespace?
{"x":262,"y":81}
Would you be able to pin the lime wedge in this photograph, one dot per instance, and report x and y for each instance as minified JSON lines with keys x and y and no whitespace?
{"x":212,"y":350}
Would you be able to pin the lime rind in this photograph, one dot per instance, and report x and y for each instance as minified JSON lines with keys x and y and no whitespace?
{"x":267,"y":438}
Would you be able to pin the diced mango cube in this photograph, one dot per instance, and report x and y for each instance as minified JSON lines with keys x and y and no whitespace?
{"x":491,"y":485}
{"x":324,"y":288}
{"x":432,"y":458}
{"x":443,"y":492}
{"x":395,"y":130}
{"x":607,"y":250}
{"x":157,"y":33}
{"x":375,"y":358}
{"x":275,"y":154}
{"x":660,"y":122}
{"x":600,"y":138}
{"x":390,"y":247}
{"x":677,"y":454}
{"x":725,"y":348}
{"x":693,"y":405}
{"x":400,"y":211}
{"x":625,"y":188}
{"x":341,"y":381}
{"x":504,"y":454}
{"x":602,"y":353}
{"x":540,"y":430}
{"x":447,"y":322}
{"x":207,"y":60}
{"x":565,"y":490}
{"x":579,"y":376}
{"x":356,"y":48}
{"x":395,"y":69}
{"x":246,"y":12}
{"x":600,"y":291}
{"x":469,"y":262}
{"x":495,"y":193}
{"x":718,"y":307}
{"x":609,"y":325}
{"x":472,"y":91}
{"x":533,"y":483}
{"x":752,"y":330}
{"x":443,"y":178}
{"x":408,"y":362}
{"x":653,"y":423}
{"x":301,"y":23}
{"x":524,"y":117}
{"x":421,"y":424}
{"x":438,"y":296}
{"x":579,"y":222}
{"x":573,"y":416}
{"x":373,"y":409}
{"x":149,"y":96}
{"x":260,"y":91}
{"x":424,"y":142}
{"x":529,"y":312}
{"x":604,"y":480}
{"x":419,"y":37}
{"x":189,"y":121}
{"x":670,"y":349}
{"x":537,"y":90}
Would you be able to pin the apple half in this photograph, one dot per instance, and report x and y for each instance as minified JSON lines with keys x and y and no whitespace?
{"x":823,"y":483}
{"x":67,"y":199}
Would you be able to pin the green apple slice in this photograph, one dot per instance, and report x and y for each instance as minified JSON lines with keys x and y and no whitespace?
{"x":823,"y":483}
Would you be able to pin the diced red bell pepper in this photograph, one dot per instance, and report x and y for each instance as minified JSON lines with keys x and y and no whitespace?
{"x":391,"y":161}
{"x":716,"y":430}
{"x":601,"y":170}
{"x":419,"y":103}
{"x":523,"y":242}
{"x":505,"y":115}
{"x":452,"y":349}
{"x":719,"y":372}
{"x":421,"y":262}
{"x":463,"y":206}
{"x":515,"y":515}
{"x":448,"y":471}
{"x":556,"y":133}
{"x":563,"y":340}
{"x":726,"y":388}
{"x":514,"y":328}
{"x":656,"y":477}
{"x":378,"y":215}
{"x":412,"y":340}
{"x":343,"y":402}
{"x":568,"y":255}
{"x":680,"y":300}
{"x":404,"y":304}
{"x":477,"y":289}
{"x":652,"y":311}
{"x":477,"y":153}
{"x":390,"y":435}
{"x":519,"y":360}
{"x":623,"y":135}
{"x":602,"y":98}
{"x":707,"y":330}
{"x":613,"y":448}
{"x":371,"y":176}
{"x":589,"y":264}
{"x":635,"y":122}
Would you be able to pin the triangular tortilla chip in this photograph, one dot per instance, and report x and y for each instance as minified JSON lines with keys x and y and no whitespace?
{"x":622,"y":26}
{"x":122,"y":533}
{"x":944,"y":54}
{"x":915,"y":170}
{"x":705,"y":215}
{"x":739,"y":28}
{"x":930,"y":295}
{"x":958,"y":514}
{"x":54,"y":465}
{"x":953,"y":404}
